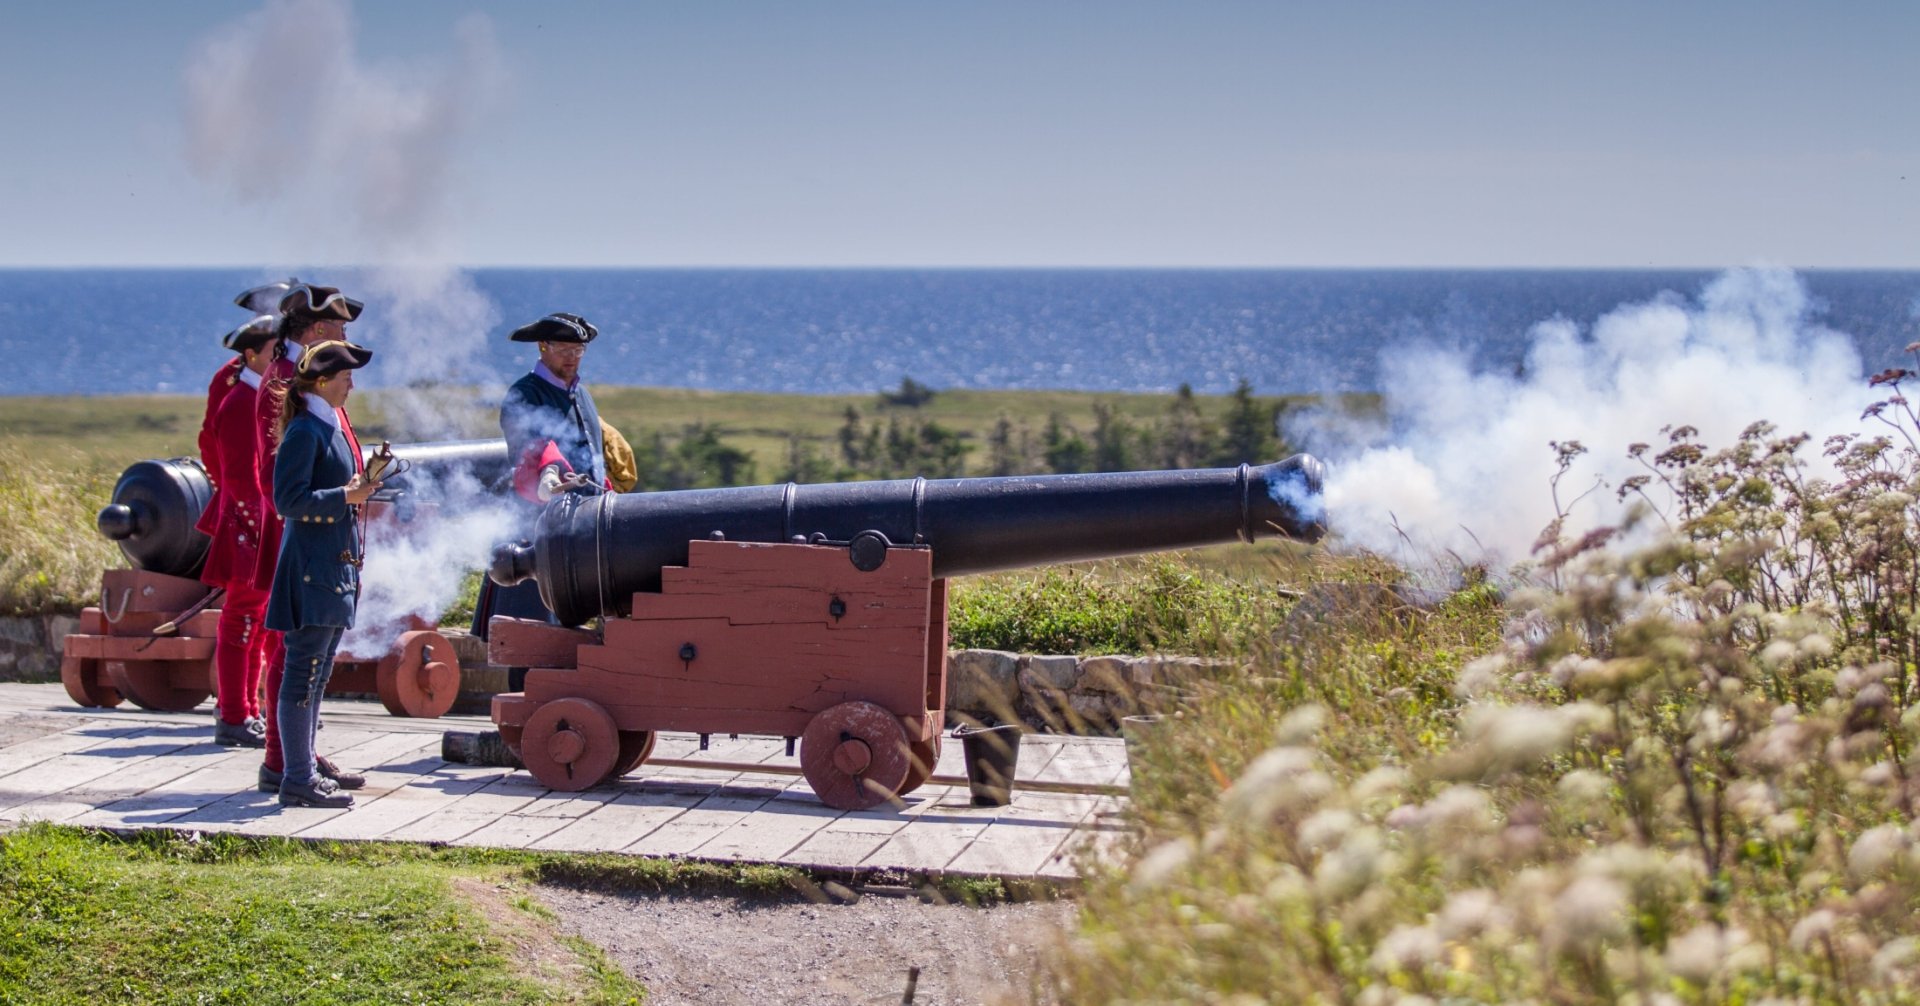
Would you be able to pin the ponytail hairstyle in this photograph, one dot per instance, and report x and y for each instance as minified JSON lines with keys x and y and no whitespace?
{"x":293,"y":401}
{"x":292,"y":328}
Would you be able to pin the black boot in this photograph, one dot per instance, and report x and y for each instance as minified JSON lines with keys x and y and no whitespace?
{"x":321,"y":794}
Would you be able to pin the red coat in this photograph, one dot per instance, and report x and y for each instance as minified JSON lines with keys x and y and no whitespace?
{"x":233,"y":518}
{"x":273,"y":392}
{"x":223,"y":381}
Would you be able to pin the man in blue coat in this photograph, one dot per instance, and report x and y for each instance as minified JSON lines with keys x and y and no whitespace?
{"x":552,"y":429}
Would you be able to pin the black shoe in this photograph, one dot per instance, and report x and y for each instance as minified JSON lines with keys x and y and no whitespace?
{"x":236,"y":735}
{"x":339,"y":776}
{"x":320,"y":794}
{"x":257,"y":726}
{"x":269,"y":780}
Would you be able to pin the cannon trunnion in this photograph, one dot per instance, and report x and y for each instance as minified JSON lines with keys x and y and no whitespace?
{"x":816,"y":613}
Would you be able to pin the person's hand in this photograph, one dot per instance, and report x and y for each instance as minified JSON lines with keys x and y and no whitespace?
{"x":574,"y":482}
{"x":360,"y":490}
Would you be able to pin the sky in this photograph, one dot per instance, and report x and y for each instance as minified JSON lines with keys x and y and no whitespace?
{"x":1180,"y":134}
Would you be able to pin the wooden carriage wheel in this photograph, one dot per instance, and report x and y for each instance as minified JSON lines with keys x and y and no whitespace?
{"x":87,"y":683}
{"x":420,"y":676}
{"x":855,"y":755}
{"x":635,"y":746}
{"x":925,"y":754}
{"x":171,"y":686}
{"x":570,"y":744}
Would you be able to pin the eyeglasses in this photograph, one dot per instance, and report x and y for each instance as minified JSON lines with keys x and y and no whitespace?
{"x":565,"y":348}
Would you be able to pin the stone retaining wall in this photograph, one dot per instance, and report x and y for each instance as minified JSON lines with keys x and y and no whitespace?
{"x":1071,"y":694}
{"x":1058,"y":693}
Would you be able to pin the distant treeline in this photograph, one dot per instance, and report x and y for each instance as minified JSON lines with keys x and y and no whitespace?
{"x":891,"y":440}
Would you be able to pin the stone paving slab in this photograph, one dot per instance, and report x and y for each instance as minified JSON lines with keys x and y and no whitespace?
{"x":129,"y":768}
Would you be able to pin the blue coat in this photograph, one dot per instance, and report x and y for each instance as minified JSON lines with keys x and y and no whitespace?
{"x":317,"y":581}
{"x":535,"y":412}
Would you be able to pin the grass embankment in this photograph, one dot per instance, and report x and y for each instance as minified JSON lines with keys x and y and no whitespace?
{"x":86,"y":918}
{"x":1677,"y":770}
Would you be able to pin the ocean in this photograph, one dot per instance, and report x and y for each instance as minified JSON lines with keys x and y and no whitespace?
{"x":117,"y":331}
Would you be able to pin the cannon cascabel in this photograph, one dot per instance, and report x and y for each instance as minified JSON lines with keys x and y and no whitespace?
{"x":591,"y":554}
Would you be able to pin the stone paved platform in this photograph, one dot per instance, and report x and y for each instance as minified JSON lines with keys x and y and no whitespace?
{"x":128,"y":768}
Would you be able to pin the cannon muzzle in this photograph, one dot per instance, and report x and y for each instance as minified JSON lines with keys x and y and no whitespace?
{"x":156,"y":503}
{"x":591,"y":554}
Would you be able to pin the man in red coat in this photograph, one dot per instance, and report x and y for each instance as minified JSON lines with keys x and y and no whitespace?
{"x":309,"y":314}
{"x":233,"y":521}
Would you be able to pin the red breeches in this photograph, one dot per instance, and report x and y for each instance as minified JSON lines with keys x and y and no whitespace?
{"x":240,"y":652}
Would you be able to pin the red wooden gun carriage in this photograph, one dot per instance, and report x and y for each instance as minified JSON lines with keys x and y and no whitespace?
{"x":816,"y":613}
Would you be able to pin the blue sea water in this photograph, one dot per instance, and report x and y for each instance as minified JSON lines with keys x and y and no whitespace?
{"x":103,"y":331}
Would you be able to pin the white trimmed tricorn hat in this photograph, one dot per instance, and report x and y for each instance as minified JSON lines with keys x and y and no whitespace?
{"x":305,"y":300}
{"x":265,"y":299}
{"x":254,"y":334}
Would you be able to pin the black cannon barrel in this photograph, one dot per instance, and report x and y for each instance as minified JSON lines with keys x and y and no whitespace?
{"x":157,"y":502}
{"x":590,"y":554}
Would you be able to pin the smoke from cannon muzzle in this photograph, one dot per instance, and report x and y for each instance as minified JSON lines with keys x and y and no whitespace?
{"x":590,"y":555}
{"x":156,"y":503}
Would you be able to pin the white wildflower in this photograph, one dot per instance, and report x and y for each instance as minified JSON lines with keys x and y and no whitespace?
{"x":1301,"y":725}
{"x":1469,"y":913}
{"x":1587,"y":717}
{"x":1408,"y":948}
{"x":1349,"y":869}
{"x":1752,"y":800}
{"x":1699,"y":954}
{"x":1480,"y":676}
{"x":1582,"y":787}
{"x":1876,"y":849}
{"x":1385,"y":781}
{"x":1783,"y":825}
{"x":1879,"y":774}
{"x":1816,"y":646}
{"x":1161,"y":863}
{"x":1514,"y":736}
{"x":1325,"y":829}
{"x":1778,"y":653}
{"x":1818,"y":925}
{"x":1895,"y":963}
{"x":1591,"y":909}
{"x":1282,"y":778}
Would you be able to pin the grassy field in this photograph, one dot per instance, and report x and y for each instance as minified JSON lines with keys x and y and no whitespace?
{"x":59,"y":456}
{"x":105,"y":433}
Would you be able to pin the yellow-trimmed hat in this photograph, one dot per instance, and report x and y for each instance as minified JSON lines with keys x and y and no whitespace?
{"x":324,"y":359}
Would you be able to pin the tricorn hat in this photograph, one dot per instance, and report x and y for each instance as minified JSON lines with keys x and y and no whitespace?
{"x":557,"y":328}
{"x":324,"y":359}
{"x":305,"y":300}
{"x":254,"y":334}
{"x":265,"y":299}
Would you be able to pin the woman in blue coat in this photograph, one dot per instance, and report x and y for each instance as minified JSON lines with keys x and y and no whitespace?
{"x":317,"y":582}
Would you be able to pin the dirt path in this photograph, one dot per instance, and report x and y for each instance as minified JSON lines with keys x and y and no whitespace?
{"x":722,"y":950}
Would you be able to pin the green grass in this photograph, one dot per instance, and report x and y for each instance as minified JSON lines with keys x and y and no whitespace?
{"x":88,"y":919}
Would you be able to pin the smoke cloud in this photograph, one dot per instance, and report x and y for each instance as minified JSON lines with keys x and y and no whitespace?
{"x":1462,"y":462}
{"x":349,"y":160}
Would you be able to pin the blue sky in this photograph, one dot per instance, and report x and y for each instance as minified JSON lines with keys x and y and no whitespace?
{"x":1475,"y":134}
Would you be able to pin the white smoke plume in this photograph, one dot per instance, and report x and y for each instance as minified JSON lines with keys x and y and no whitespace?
{"x":352,"y":161}
{"x":1462,"y":461}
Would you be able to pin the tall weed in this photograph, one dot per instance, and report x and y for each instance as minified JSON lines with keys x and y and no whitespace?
{"x":1680,"y":768}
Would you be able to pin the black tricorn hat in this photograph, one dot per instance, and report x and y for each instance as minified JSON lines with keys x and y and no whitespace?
{"x":254,"y":334}
{"x":324,"y":359}
{"x":305,"y":300}
{"x":557,"y":328}
{"x":265,"y":299}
